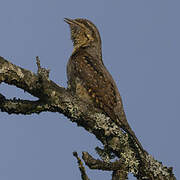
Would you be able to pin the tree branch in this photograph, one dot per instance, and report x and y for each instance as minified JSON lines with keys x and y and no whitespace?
{"x":19,"y":106}
{"x":54,"y":98}
{"x":93,"y":163}
{"x":81,"y":167}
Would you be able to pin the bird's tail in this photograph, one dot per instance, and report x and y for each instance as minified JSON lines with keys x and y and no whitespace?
{"x":133,"y":137}
{"x":126,"y":127}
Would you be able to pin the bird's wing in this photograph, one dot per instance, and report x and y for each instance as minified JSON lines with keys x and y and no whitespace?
{"x":97,"y":81}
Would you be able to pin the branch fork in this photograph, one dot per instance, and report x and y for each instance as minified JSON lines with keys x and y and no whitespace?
{"x":53,"y":98}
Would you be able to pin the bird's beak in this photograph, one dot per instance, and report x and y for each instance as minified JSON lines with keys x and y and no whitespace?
{"x":72,"y":22}
{"x":69,"y":21}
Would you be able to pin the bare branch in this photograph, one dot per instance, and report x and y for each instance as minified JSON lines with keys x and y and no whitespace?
{"x":58,"y":99}
{"x":93,"y":163}
{"x":81,"y":167}
{"x":42,"y":71}
{"x":19,"y":77}
{"x":19,"y":106}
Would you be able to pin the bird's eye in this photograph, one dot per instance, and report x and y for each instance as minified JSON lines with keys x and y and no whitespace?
{"x":87,"y":36}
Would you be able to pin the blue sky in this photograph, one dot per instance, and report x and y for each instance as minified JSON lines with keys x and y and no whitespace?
{"x":140,"y":41}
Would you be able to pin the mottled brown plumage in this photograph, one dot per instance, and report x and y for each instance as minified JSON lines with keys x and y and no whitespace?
{"x":88,"y":77}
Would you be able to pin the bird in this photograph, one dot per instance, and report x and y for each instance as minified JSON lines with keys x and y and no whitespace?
{"x":89,"y":78}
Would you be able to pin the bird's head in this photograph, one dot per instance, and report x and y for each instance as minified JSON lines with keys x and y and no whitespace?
{"x":83,"y":33}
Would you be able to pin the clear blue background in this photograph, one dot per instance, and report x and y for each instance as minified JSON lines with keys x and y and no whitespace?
{"x":141,"y":43}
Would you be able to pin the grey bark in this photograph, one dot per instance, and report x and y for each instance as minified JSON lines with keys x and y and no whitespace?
{"x":54,"y":98}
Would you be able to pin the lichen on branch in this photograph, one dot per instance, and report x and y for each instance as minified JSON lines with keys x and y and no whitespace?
{"x":54,"y":98}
